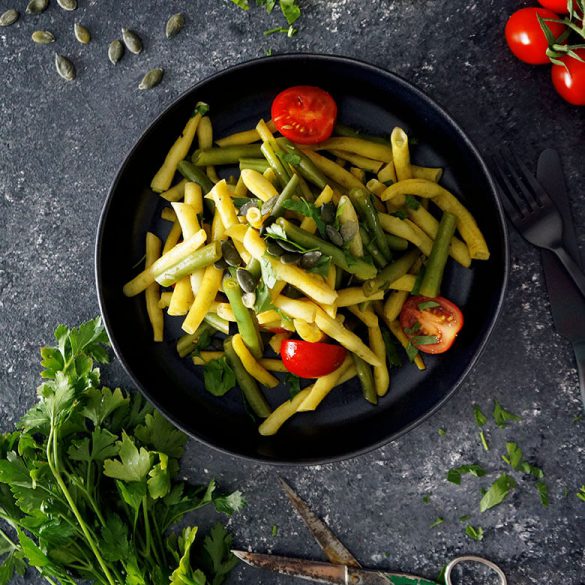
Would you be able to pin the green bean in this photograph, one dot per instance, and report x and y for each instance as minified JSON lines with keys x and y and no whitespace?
{"x":247,"y":384}
{"x":195,"y":175}
{"x":306,"y":166}
{"x":198,"y":259}
{"x":255,"y":164}
{"x":391,"y":273}
{"x":244,"y":317}
{"x":364,"y":372}
{"x":435,"y":266}
{"x":222,"y":325}
{"x":349,"y":263}
{"x":371,"y":247}
{"x":187,"y":343}
{"x":290,"y":189}
{"x":229,"y":155}
{"x":275,"y":164}
{"x":396,"y":243}
{"x":342,"y":130}
{"x":363,"y":203}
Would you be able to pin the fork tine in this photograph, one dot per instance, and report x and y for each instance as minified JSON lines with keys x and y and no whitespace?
{"x":541,"y":196}
{"x":510,"y":200}
{"x":511,"y":162}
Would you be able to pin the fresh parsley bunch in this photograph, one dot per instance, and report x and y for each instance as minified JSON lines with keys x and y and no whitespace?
{"x":88,"y":483}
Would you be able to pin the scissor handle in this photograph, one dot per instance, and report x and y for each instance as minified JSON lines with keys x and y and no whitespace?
{"x":473,"y":559}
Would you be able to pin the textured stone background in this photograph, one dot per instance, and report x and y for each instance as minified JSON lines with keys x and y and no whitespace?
{"x":61,"y":144}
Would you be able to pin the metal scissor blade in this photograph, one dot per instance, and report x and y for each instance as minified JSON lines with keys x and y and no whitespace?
{"x":326,"y":572}
{"x":333,"y":548}
{"x":309,"y":570}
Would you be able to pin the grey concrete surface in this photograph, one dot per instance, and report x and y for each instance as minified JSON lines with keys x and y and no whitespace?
{"x":61,"y":144}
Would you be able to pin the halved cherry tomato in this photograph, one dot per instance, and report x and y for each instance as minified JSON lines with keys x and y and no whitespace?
{"x":558,"y":6}
{"x":423,"y":318}
{"x":304,"y":114}
{"x":526,"y":38}
{"x":569,"y":81}
{"x":311,"y":360}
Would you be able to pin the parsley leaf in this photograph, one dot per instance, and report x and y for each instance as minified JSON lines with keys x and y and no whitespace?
{"x":480,"y":418}
{"x":503,"y":416}
{"x":392,"y":349}
{"x":133,"y":465}
{"x":427,"y":305}
{"x":411,"y":202}
{"x":542,"y":490}
{"x":497,"y":493}
{"x":473,"y":532}
{"x":293,"y":384}
{"x":268,"y":274}
{"x":454,"y":474}
{"x":438,"y":521}
{"x":219,"y":377}
{"x":581,"y":493}
{"x":514,"y":456}
{"x":308,"y":209}
{"x":216,"y":558}
{"x":290,"y":10}
{"x":483,"y":440}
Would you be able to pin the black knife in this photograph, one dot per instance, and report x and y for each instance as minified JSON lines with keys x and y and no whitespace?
{"x":567,"y":303}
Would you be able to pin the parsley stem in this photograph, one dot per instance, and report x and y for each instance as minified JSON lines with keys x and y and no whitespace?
{"x":7,"y":539}
{"x":52,"y":460}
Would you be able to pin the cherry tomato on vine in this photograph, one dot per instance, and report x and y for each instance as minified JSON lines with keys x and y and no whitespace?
{"x":304,"y":114}
{"x":311,"y":360}
{"x":431,"y":324}
{"x":526,"y":38}
{"x":569,"y":81}
{"x":558,"y":6}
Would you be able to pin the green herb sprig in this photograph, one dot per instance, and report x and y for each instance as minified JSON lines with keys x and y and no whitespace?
{"x":290,"y":10}
{"x":88,"y":483}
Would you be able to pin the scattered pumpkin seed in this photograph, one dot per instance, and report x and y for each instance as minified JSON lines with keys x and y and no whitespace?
{"x":287,"y":246}
{"x":349,"y":230}
{"x":273,"y":248}
{"x":221,"y":264}
{"x":37,"y":6}
{"x":246,"y":280}
{"x":43,"y":37}
{"x":65,"y":68}
{"x":229,"y":252}
{"x":115,"y":51}
{"x":152,"y":78}
{"x":334,"y":236}
{"x":9,"y":17}
{"x":249,"y":205}
{"x":68,"y":4}
{"x":290,"y":258}
{"x":132,"y":41}
{"x":328,"y":212}
{"x":174,"y":25}
{"x":310,"y":259}
{"x":82,"y":33}
{"x":249,"y":300}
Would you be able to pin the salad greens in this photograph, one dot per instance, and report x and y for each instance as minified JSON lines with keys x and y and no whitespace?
{"x":88,"y":483}
{"x":289,"y":8}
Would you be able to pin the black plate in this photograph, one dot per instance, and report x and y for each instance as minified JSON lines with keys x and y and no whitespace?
{"x":345,"y":425}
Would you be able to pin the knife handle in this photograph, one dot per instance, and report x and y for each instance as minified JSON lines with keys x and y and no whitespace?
{"x":579,"y":348}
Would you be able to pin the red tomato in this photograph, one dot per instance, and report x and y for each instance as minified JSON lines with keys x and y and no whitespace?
{"x":558,"y":6}
{"x":525,"y":37}
{"x":570,"y":81}
{"x":311,"y":360}
{"x":304,"y":114}
{"x":443,"y":321}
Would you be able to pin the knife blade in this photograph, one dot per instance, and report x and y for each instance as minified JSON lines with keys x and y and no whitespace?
{"x":567,"y":304}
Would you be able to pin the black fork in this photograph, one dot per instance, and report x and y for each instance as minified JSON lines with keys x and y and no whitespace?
{"x":532,"y":211}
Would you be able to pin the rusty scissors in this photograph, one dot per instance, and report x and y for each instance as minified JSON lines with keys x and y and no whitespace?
{"x":343,"y":568}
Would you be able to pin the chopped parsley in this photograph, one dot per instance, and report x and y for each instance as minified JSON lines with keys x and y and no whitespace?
{"x":473,"y":532}
{"x":464,"y":518}
{"x":503,"y":416}
{"x":306,"y":208}
{"x":542,"y":490}
{"x":497,"y":493}
{"x":218,"y":376}
{"x":428,"y":305}
{"x":454,"y":475}
{"x":274,"y":530}
{"x":392,"y":349}
{"x":411,"y":202}
{"x":483,"y":440}
{"x":480,"y":418}
{"x":438,"y":521}
{"x":293,"y":384}
{"x":514,"y":455}
{"x":426,"y":499}
{"x":581,"y":493}
{"x":442,"y":432}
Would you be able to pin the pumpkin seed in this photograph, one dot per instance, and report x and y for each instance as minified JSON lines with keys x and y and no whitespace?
{"x":268,"y":205}
{"x":230,"y":254}
{"x":82,"y":34}
{"x":249,"y":300}
{"x":68,"y":4}
{"x":43,"y":37}
{"x":132,"y":41}
{"x":334,"y":236}
{"x":174,"y":25}
{"x":290,"y":258}
{"x":151,"y":79}
{"x":9,"y":17}
{"x":221,"y":264}
{"x":310,"y":259}
{"x":65,"y":68}
{"x":115,"y":51}
{"x":37,"y":6}
{"x":246,"y":280}
{"x":248,"y":205}
{"x":349,"y":230}
{"x":273,"y":248}
{"x":287,"y":246}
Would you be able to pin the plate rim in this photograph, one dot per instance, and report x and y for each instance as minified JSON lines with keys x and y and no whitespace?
{"x":374,"y":70}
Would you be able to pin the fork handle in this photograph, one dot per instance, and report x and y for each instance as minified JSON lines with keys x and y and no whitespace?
{"x":572,"y":268}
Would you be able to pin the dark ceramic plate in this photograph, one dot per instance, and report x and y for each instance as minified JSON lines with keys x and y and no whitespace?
{"x":345,"y":425}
